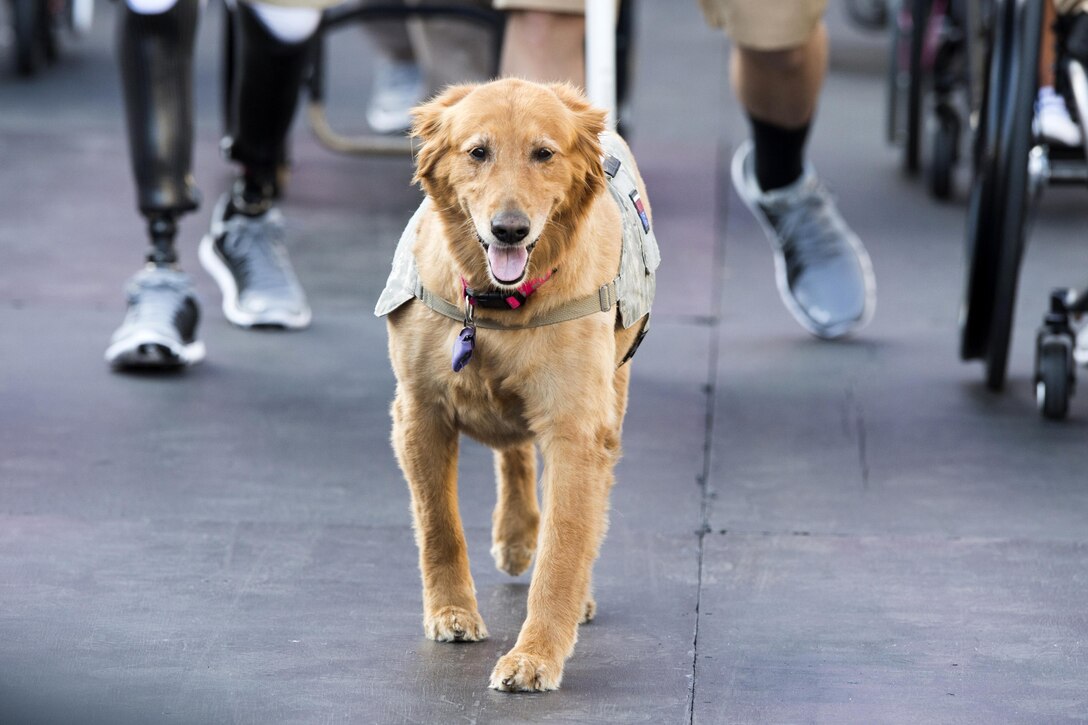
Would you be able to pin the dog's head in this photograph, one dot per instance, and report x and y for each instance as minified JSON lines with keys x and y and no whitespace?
{"x":513,"y":167}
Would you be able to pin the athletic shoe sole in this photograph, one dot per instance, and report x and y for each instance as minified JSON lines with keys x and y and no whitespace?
{"x":740,"y":183}
{"x":217,"y":268}
{"x":149,"y":350}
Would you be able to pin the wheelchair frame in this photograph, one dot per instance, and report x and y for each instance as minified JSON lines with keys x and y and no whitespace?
{"x":1012,"y":167}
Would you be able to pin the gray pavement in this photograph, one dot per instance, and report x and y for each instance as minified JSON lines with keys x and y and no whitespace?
{"x":801,"y":531}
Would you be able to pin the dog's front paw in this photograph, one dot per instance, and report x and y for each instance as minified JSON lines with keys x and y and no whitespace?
{"x":454,"y":624}
{"x":514,"y":559}
{"x":525,"y":672}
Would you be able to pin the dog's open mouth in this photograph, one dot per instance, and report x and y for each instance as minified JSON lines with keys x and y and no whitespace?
{"x":508,"y":263}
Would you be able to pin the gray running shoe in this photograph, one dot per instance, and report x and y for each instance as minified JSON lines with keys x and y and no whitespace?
{"x":823,"y":272}
{"x":246,"y":257}
{"x":397,"y":87}
{"x":159,"y":330}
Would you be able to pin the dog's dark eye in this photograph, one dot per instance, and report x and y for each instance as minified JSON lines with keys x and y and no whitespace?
{"x":479,"y":153}
{"x":542,"y":154}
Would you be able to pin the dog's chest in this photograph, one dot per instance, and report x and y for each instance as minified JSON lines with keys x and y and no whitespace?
{"x":492,"y":411}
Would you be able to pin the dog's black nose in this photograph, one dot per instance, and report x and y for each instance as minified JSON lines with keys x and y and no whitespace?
{"x":510,"y":227}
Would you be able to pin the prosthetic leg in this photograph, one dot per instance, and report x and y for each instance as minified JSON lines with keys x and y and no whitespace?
{"x":273,"y":48}
{"x":155,"y":50}
{"x":244,"y":251}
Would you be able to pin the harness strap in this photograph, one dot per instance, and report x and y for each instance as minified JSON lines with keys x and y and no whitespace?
{"x":600,"y":301}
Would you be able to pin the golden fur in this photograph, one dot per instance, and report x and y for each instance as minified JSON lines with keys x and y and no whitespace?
{"x":558,"y":387}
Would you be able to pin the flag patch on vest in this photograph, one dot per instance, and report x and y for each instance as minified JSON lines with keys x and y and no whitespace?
{"x":637,"y":201}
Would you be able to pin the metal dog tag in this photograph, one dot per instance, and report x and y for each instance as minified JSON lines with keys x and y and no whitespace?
{"x":462,"y":348}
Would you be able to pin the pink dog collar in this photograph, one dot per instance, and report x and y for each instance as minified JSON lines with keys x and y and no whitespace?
{"x":504,"y":300}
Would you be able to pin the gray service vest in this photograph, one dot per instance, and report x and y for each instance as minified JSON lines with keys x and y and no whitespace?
{"x":635,"y":282}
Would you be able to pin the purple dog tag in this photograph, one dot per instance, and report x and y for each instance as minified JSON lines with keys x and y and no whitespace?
{"x":462,"y":348}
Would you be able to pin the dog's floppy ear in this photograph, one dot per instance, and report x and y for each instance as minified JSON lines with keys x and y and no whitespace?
{"x":428,"y":125}
{"x":589,"y":124}
{"x":589,"y":116}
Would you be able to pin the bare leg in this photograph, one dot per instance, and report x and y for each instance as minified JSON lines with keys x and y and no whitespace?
{"x":452,"y":51}
{"x":781,"y":87}
{"x":544,"y":47}
{"x":1046,"y":48}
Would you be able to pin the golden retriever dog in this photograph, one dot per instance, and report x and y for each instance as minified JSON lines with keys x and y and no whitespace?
{"x":517,"y":233}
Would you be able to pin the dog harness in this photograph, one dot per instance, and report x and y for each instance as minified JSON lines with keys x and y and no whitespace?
{"x":631,"y":291}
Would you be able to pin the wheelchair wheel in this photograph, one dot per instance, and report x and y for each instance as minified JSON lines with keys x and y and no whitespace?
{"x":1054,"y":375}
{"x":905,"y":79}
{"x":975,"y":315}
{"x":977,"y":307}
{"x":1000,"y":209}
{"x":944,"y":152}
{"x":898,"y":72}
{"x":912,"y":142}
{"x":1016,"y":141}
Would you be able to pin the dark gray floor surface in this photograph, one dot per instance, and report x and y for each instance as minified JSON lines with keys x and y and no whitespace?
{"x":801,"y":532}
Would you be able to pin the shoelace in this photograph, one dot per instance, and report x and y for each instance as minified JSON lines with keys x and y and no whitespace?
{"x":155,"y":302}
{"x":809,"y":232}
{"x":251,"y":242}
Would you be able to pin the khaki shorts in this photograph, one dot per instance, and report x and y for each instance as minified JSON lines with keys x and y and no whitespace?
{"x":765,"y":24}
{"x":1067,"y":7}
{"x":552,"y":6}
{"x":756,"y":24}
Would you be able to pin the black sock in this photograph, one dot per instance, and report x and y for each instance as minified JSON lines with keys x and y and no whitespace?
{"x":779,"y":153}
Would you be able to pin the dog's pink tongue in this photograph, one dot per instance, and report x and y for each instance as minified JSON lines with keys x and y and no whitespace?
{"x":507,"y":263}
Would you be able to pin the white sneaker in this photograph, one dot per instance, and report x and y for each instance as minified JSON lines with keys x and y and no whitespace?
{"x":1052,"y":119}
{"x":159,"y":330}
{"x":1080,"y":349}
{"x":398,"y":87}
{"x":81,"y":16}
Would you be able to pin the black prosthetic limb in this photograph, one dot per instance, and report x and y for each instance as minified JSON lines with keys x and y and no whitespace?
{"x":268,"y":78}
{"x":155,"y":53}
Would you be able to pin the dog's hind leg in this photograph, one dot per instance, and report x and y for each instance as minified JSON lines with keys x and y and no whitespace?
{"x":589,"y":611}
{"x":426,"y":444}
{"x":516,"y":519}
